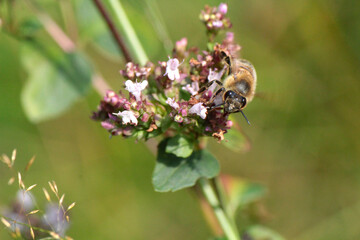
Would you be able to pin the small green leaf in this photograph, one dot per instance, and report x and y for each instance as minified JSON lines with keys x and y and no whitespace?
{"x":174,"y":173}
{"x":55,"y":81}
{"x":259,"y":232}
{"x":236,"y":141}
{"x":241,"y":192}
{"x":179,"y":146}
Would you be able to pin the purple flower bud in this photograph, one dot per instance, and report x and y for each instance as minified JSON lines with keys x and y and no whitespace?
{"x":107,"y":125}
{"x":208,"y":129}
{"x":229,"y":124}
{"x":183,"y":112}
{"x":145,"y":117}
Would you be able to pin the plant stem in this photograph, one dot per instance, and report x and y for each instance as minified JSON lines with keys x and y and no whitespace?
{"x":224,"y":221}
{"x":116,"y":35}
{"x":129,"y":32}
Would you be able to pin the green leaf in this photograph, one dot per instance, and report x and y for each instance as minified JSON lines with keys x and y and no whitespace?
{"x":241,"y":192}
{"x":173,"y":173}
{"x":236,"y":141}
{"x":55,"y":81}
{"x":259,"y":232}
{"x":93,"y":28}
{"x":179,"y":146}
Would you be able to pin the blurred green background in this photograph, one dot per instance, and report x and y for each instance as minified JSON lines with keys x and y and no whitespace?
{"x":304,"y":132}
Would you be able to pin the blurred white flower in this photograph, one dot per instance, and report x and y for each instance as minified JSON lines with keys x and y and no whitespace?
{"x":25,"y":199}
{"x":136,"y":88}
{"x":172,"y":103}
{"x":172,"y":69}
{"x":55,"y":217}
{"x":127,"y":117}
{"x":192,"y":88}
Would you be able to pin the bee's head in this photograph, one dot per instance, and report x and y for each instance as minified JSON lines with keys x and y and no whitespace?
{"x":233,"y":102}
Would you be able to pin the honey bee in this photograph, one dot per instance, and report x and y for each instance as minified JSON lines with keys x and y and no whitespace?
{"x":238,"y":88}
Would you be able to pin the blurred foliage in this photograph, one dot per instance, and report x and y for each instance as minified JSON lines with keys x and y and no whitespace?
{"x":304,"y":132}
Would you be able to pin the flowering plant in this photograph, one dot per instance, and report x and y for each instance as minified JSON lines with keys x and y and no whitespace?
{"x":168,"y":100}
{"x":164,"y":100}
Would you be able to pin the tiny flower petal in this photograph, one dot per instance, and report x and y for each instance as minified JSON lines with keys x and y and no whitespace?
{"x":199,"y":109}
{"x":192,"y":88}
{"x":218,"y":24}
{"x":136,"y":88}
{"x":213,"y":75}
{"x":223,"y":8}
{"x":172,"y":103}
{"x":172,"y":69}
{"x":127,"y":117}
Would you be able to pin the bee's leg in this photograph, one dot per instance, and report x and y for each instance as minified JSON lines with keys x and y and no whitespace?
{"x":204,"y":88}
{"x":227,"y":60}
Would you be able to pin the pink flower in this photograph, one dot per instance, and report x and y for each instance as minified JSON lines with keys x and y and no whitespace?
{"x":223,"y":8}
{"x":193,"y":88}
{"x":199,"y":109}
{"x":172,"y":103}
{"x":172,"y":69}
{"x":180,"y":45}
{"x":136,"y":88}
{"x":127,"y":117}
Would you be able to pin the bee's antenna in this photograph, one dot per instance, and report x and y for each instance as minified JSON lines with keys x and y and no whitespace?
{"x":245,"y":117}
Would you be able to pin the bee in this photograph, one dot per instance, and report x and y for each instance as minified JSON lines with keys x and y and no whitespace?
{"x":238,"y":88}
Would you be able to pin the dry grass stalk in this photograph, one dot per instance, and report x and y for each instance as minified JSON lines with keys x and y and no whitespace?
{"x":13,"y":157}
{"x":30,"y":188}
{"x":29,"y":164}
{"x":5,"y":159}
{"x":21,"y":184}
{"x":55,"y":186}
{"x":11,"y":181}
{"x":55,"y":235}
{"x":33,"y":212}
{"x":47,"y":196}
{"x":70,"y":207}
{"x":61,"y":199}
{"x":5,"y":222}
{"x":53,"y":189}
{"x":32,"y":233}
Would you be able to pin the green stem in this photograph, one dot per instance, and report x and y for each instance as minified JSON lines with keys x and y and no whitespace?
{"x":129,"y":32}
{"x":219,"y":187}
{"x":224,"y":221}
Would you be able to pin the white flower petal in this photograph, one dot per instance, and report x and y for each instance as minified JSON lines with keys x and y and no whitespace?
{"x":136,"y":88}
{"x":127,"y":117}
{"x":199,"y":109}
{"x":172,"y":69}
{"x":172,"y":103}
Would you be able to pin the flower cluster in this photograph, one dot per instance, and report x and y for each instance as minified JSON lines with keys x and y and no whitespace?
{"x":164,"y":98}
{"x":214,"y":18}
